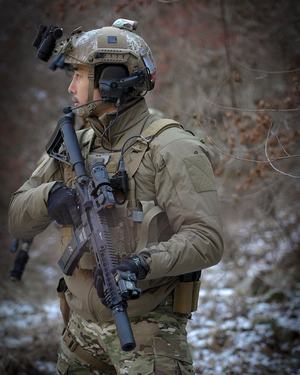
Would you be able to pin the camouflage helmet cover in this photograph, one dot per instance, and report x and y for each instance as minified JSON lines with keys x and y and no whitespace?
{"x":110,"y":45}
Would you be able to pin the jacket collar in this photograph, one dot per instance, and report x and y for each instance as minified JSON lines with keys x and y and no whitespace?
{"x":112,"y":128}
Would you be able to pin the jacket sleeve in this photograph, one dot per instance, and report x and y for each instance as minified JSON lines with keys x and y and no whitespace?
{"x":28,"y":215}
{"x":186,"y":191}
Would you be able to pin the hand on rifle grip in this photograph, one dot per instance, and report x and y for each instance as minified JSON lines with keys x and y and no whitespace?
{"x":98,"y":283}
{"x":136,"y":264}
{"x":62,"y":205}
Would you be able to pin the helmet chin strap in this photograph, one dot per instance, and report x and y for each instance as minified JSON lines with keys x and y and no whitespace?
{"x":91,"y":77}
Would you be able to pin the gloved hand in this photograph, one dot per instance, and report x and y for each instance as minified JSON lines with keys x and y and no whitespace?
{"x":62,"y":205}
{"x":126,"y":282}
{"x":126,"y":274}
{"x":98,"y":283}
{"x":136,"y":264}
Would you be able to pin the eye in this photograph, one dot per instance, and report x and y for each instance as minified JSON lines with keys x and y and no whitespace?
{"x":77,"y":76}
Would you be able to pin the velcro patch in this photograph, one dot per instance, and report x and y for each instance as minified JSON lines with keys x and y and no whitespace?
{"x":201,"y":173}
{"x":112,"y":39}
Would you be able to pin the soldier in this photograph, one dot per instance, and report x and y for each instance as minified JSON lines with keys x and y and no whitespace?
{"x":167,"y":229}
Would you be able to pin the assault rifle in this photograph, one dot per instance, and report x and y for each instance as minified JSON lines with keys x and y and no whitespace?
{"x":97,"y":202}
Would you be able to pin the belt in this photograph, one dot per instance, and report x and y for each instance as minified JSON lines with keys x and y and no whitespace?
{"x":70,"y":340}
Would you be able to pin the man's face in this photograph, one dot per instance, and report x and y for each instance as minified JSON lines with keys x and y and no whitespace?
{"x":79,"y":86}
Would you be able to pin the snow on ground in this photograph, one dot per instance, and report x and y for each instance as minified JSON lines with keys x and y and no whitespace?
{"x":247,"y":322}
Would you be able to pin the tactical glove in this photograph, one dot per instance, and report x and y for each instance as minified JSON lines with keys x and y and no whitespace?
{"x":126,"y":282}
{"x":62,"y":205}
{"x":98,"y":283}
{"x":126,"y":275}
{"x":136,"y":264}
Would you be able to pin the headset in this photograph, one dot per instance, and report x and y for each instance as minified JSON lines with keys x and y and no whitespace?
{"x":115,"y":84}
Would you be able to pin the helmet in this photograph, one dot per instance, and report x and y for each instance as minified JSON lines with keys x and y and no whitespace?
{"x":116,"y":45}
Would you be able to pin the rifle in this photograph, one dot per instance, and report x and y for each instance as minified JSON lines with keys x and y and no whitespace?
{"x":21,"y":248}
{"x":97,"y":202}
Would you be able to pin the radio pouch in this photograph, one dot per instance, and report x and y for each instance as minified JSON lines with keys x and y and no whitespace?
{"x":186,"y":293}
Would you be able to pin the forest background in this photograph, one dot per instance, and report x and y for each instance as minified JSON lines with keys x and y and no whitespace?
{"x":229,"y":70}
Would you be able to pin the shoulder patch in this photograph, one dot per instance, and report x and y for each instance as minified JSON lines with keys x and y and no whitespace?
{"x":200,"y":172}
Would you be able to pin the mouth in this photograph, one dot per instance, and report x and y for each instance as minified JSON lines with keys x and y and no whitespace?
{"x":75,"y":102}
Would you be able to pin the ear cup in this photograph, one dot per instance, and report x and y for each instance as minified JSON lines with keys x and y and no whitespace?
{"x":108,"y":82}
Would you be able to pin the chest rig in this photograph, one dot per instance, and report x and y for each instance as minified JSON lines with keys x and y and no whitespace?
{"x":134,"y":223}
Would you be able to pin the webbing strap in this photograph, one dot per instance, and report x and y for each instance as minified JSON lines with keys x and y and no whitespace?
{"x":91,"y":83}
{"x":134,"y":157}
{"x":158,"y":126}
{"x":145,"y":226}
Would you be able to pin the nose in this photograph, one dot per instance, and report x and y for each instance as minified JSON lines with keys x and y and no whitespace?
{"x":72,"y":87}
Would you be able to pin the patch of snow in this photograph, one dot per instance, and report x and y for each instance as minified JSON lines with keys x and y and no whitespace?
{"x":10,"y":308}
{"x":46,"y":367}
{"x":52,"y":310}
{"x":13,"y":342}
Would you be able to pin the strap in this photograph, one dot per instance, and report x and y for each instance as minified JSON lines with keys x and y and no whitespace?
{"x":134,"y":158}
{"x":70,"y":340}
{"x":91,"y":82}
{"x":145,"y":226}
{"x":160,"y":125}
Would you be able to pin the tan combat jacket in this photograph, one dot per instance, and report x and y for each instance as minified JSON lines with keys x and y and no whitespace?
{"x":173,"y":173}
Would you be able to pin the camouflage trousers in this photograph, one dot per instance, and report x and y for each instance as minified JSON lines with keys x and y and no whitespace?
{"x":161,"y":347}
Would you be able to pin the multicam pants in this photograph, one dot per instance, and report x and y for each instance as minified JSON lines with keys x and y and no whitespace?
{"x":161,"y":348}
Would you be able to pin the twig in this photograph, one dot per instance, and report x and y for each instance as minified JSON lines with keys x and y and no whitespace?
{"x":270,"y":161}
{"x":250,"y":160}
